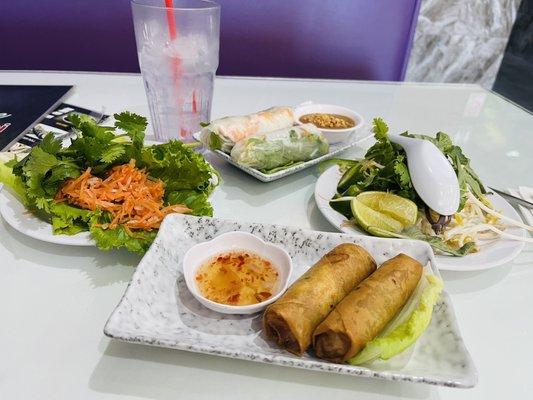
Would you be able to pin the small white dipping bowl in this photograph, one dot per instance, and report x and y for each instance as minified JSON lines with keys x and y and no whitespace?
{"x":236,"y":241}
{"x":331,"y":135}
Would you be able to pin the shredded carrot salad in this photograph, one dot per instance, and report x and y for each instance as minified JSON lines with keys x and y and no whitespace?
{"x":133,"y":199}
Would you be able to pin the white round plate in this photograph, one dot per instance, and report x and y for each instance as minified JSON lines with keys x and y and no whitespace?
{"x":491,"y":254}
{"x":22,"y":220}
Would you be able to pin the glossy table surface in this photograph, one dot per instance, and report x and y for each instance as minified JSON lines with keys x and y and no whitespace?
{"x":55,"y":300}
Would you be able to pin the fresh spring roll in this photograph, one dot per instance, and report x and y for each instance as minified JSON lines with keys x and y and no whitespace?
{"x":363,"y":313}
{"x":280,"y":148}
{"x":223,"y":133}
{"x":292,"y":319}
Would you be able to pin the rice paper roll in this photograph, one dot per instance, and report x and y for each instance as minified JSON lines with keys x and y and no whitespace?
{"x":280,"y":148}
{"x":367,"y":309}
{"x":223,"y":133}
{"x":292,"y":319}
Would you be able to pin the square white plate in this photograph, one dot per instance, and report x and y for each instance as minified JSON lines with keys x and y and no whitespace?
{"x":334,"y":149}
{"x":157,"y":308}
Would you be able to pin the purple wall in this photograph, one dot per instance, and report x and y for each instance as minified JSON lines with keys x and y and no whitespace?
{"x":356,"y":39}
{"x":89,"y":35}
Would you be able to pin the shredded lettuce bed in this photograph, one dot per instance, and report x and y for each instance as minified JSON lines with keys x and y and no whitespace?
{"x":35,"y":179}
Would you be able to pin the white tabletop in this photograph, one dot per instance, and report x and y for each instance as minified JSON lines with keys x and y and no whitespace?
{"x":55,"y":300}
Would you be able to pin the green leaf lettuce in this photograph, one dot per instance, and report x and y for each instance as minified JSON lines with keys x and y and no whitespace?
{"x":13,"y":182}
{"x":407,"y":327}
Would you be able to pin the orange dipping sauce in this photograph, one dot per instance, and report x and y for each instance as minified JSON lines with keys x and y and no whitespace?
{"x":237,"y":278}
{"x":328,"y":121}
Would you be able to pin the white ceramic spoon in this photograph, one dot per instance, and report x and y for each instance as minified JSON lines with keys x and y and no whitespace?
{"x":433,"y":176}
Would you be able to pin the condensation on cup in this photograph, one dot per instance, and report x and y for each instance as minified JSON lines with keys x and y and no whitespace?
{"x":178,"y":62}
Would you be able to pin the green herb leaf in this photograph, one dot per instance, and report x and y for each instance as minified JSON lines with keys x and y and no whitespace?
{"x":343,"y":164}
{"x":107,"y":239}
{"x":343,"y":206}
{"x":90,"y":146}
{"x":380,"y":130}
{"x":197,"y":201}
{"x":50,"y":144}
{"x":402,"y":173}
{"x":134,"y":125}
{"x":69,"y":220}
{"x":215,"y":142}
{"x":35,"y":169}
{"x":113,"y":153}
{"x":178,"y":166}
{"x":78,"y":119}
{"x":58,"y":174}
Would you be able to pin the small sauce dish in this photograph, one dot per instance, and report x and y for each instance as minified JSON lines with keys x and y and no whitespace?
{"x":332,"y":135}
{"x":241,"y":262}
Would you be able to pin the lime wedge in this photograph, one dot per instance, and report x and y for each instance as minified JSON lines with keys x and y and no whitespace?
{"x":401,"y":209}
{"x":367,"y":217}
{"x":384,"y":233}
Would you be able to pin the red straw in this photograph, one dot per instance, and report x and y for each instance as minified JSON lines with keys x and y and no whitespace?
{"x":172,"y":31}
{"x":173,"y":34}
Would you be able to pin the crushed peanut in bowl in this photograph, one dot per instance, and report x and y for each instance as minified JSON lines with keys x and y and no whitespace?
{"x":328,"y":121}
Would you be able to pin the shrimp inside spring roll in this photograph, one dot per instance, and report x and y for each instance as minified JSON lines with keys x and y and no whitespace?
{"x":291,"y":320}
{"x":225,"y":132}
{"x":367,"y":309}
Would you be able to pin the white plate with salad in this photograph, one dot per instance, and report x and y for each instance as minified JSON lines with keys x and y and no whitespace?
{"x":374,"y":196}
{"x":106,"y":188}
{"x":275,"y":143}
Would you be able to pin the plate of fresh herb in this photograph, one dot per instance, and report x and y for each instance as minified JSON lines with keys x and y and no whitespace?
{"x":107,"y":188}
{"x":375,"y":196}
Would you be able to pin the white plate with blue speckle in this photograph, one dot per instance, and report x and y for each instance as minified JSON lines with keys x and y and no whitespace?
{"x":157,"y":308}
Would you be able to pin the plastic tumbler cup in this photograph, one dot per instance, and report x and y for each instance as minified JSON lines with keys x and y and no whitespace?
{"x":177,"y":45}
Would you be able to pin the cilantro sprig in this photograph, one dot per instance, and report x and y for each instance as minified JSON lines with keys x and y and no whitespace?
{"x":384,"y":168}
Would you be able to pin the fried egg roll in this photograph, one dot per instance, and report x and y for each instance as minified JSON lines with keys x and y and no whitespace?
{"x":367,"y":309}
{"x":292,"y":319}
